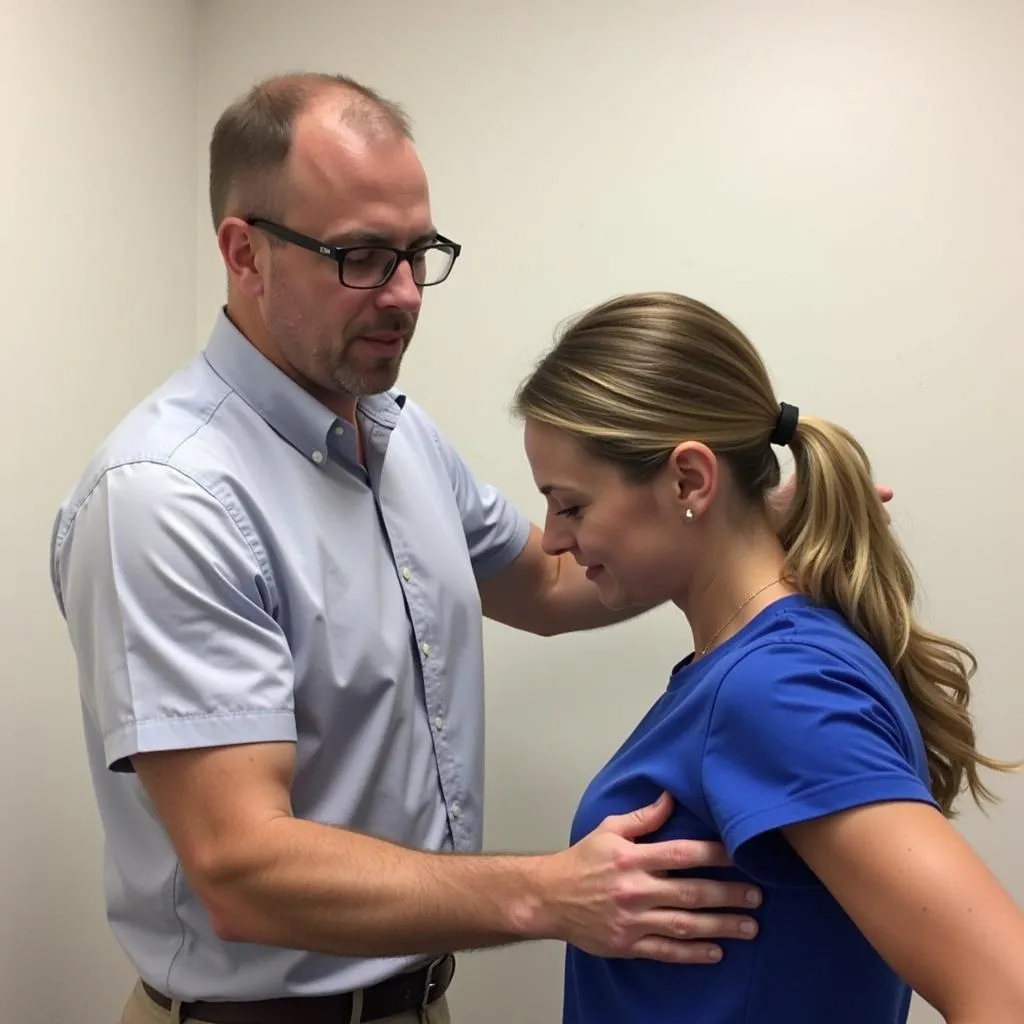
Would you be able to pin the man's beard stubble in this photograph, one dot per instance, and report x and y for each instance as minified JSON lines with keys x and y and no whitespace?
{"x":384,"y":374}
{"x":327,"y":367}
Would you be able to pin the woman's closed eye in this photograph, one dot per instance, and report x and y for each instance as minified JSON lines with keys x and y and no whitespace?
{"x":572,"y":512}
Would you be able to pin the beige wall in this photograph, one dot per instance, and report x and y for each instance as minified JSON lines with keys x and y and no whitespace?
{"x":97,"y":290}
{"x":845,"y":184}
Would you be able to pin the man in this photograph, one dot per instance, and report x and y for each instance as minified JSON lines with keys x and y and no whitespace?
{"x":273,"y":574}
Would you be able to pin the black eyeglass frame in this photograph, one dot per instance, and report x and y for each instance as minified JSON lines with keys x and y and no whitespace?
{"x":339,"y":252}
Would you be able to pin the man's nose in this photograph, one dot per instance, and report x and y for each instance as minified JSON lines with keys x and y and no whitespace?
{"x":401,"y":292}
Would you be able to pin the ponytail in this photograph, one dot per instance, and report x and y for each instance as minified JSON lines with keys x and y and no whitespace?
{"x":841,"y":552}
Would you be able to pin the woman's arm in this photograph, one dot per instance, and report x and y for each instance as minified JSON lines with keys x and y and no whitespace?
{"x":927,"y":903}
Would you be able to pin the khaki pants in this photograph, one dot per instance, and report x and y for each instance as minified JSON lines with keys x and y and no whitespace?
{"x":140,"y":1009}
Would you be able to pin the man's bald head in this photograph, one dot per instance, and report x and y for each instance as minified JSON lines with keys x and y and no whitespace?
{"x":253,"y":137}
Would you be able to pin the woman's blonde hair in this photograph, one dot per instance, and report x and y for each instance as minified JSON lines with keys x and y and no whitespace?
{"x":633,"y":377}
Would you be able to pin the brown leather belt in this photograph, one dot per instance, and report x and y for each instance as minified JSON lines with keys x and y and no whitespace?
{"x":399,"y":994}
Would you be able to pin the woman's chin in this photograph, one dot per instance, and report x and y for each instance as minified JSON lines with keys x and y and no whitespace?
{"x":617,"y":599}
{"x":610,"y":595}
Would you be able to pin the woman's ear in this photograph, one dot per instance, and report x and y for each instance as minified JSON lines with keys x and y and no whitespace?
{"x":693,"y":469}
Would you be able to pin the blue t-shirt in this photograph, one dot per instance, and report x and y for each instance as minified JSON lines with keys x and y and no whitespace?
{"x":793,"y":718}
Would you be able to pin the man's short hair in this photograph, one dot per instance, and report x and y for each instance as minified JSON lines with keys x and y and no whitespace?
{"x":252,"y":138}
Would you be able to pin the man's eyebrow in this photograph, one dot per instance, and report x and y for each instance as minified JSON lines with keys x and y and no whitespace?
{"x":348,"y":239}
{"x":548,"y":488}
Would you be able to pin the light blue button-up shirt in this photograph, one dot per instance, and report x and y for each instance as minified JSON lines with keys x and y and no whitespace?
{"x":230,"y":573}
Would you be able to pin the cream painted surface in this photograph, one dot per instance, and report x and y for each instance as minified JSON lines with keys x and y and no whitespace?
{"x":98,"y":291}
{"x":841,"y":178}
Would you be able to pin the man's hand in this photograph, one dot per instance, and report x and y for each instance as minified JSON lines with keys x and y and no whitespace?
{"x":780,"y":499}
{"x":612,"y":897}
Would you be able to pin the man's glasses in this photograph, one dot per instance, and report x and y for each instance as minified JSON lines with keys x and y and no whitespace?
{"x":371,"y":266}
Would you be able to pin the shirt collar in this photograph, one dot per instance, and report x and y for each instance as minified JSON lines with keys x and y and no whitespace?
{"x":286,"y":407}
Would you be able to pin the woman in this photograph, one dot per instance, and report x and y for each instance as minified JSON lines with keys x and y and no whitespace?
{"x":817,"y":729}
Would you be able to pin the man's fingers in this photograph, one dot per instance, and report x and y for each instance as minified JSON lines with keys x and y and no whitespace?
{"x":701,"y":894}
{"x":671,"y":951}
{"x":686,"y":926}
{"x":642,"y":821}
{"x":885,"y":496}
{"x":681,"y":855}
{"x":683,"y":938}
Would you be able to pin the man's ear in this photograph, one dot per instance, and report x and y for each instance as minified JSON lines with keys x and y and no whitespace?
{"x":242,"y":254}
{"x":694,"y":472}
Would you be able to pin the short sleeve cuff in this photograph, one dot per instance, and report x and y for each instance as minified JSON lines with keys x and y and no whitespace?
{"x":825,"y":800}
{"x":185,"y":732}
{"x":516,"y":528}
{"x":757,"y":847}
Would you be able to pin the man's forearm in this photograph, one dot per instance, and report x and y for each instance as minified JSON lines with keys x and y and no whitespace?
{"x":547,"y":594}
{"x":574,"y":603}
{"x":303,"y":885}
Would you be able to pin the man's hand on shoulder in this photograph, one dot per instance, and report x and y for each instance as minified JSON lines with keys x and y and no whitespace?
{"x":781,"y":498}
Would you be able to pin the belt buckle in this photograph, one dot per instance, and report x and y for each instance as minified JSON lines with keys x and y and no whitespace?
{"x":429,"y":983}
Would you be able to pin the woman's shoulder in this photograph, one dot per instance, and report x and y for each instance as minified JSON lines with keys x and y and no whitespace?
{"x":795,"y":639}
{"x":798,"y":624}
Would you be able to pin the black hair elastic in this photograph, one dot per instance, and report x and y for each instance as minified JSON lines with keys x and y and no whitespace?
{"x":785,"y":425}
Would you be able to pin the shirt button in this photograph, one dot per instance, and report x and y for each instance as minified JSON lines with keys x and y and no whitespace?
{"x":318,"y":457}
{"x":426,"y":649}
{"x":339,"y":429}
{"x":456,"y":809}
{"x":439,"y":722}
{"x":406,"y":573}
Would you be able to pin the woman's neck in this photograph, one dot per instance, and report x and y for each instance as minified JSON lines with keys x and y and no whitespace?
{"x":740,"y":575}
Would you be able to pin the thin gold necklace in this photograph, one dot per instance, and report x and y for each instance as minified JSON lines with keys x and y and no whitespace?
{"x":718,"y":632}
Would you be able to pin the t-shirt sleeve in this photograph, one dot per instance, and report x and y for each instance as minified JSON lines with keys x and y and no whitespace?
{"x":170,"y":615}
{"x":496,"y":531}
{"x":795,"y":734}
